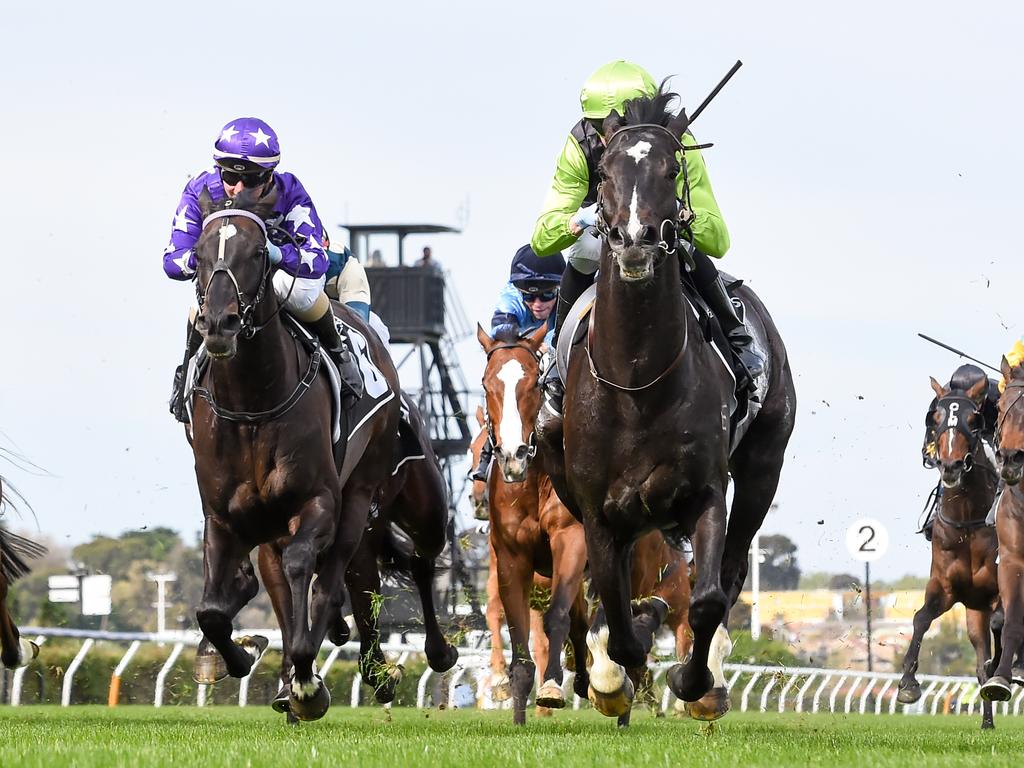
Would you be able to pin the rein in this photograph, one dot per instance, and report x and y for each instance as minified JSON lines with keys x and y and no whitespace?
{"x":609,"y":383}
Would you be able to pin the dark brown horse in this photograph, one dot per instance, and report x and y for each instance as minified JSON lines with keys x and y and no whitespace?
{"x":531,"y":530}
{"x":265,"y":464}
{"x":1010,"y":528}
{"x":963,"y":546}
{"x":15,"y":651}
{"x":647,"y":406}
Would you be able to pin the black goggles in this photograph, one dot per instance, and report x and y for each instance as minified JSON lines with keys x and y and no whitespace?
{"x":539,"y":296}
{"x":249,"y":179}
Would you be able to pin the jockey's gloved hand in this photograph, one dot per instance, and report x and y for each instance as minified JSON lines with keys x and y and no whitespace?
{"x":586,"y":217}
{"x":275,"y":253}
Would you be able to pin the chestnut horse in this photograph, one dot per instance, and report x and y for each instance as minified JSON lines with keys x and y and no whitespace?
{"x":647,"y":439}
{"x":1010,"y":528}
{"x":15,"y":651}
{"x":964,"y":546}
{"x":264,"y":458}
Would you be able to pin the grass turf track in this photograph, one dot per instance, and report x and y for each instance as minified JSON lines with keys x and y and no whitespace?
{"x":43,"y":737}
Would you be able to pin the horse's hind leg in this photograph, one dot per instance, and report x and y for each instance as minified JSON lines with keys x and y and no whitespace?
{"x":709,"y":603}
{"x":364,"y":585}
{"x":441,"y":655}
{"x":978,"y":630}
{"x":230,"y":583}
{"x":936,"y":603}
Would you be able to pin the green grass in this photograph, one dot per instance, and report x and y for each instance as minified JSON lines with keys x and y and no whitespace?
{"x":44,"y":736}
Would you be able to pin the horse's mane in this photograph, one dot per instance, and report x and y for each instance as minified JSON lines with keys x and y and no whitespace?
{"x":651,"y":109}
{"x":246,"y":201}
{"x":508,"y":333}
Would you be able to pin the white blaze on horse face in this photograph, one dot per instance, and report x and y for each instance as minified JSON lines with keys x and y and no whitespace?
{"x":639,"y":151}
{"x":511,"y":427}
{"x":633,"y":228}
{"x":227,"y":231}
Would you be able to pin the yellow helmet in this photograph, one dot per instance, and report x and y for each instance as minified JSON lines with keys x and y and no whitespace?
{"x":613,"y":85}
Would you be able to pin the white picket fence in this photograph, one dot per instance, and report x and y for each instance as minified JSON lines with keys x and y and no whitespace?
{"x":753,"y":687}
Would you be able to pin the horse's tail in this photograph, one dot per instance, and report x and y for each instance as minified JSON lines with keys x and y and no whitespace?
{"x":14,"y":551}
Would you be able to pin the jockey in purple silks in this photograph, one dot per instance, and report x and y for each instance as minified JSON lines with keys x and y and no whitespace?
{"x":245,"y":156}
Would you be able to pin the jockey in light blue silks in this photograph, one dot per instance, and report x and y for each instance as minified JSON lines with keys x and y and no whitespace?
{"x":525,"y":304}
{"x":246,"y":154}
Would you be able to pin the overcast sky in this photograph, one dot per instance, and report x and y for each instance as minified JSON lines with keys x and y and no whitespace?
{"x":867,"y":162}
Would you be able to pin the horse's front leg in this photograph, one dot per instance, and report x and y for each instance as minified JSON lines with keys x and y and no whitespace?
{"x":515,"y":576}
{"x":1011,"y":576}
{"x":308,"y":697}
{"x":979,"y":631}
{"x":229,"y":584}
{"x":708,"y":604}
{"x":272,"y":572}
{"x":612,"y":642}
{"x":15,"y":651}
{"x":936,"y":602}
{"x":501,"y":689}
{"x":569,"y":558}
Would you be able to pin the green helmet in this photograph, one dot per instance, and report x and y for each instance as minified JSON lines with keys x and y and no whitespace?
{"x":612,"y":85}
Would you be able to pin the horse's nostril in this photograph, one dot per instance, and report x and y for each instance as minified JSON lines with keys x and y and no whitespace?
{"x":521,"y":452}
{"x":202,"y":324}
{"x":615,"y":236}
{"x":231,"y":324}
{"x":648,"y":235}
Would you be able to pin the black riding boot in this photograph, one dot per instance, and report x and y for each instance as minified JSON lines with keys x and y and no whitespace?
{"x":177,"y":403}
{"x":334,"y":345}
{"x":712,"y":288}
{"x":573,"y":284}
{"x":486,"y":452}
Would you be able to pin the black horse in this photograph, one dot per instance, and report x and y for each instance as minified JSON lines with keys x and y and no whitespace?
{"x":15,"y":651}
{"x":647,"y":410}
{"x":265,"y":461}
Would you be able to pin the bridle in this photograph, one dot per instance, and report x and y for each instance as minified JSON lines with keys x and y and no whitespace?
{"x":669,"y":231}
{"x":1017,"y":384}
{"x":488,"y":424}
{"x":246,"y":309}
{"x":955,"y":410}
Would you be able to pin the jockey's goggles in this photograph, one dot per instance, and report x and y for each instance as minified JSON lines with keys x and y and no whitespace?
{"x":249,"y":179}
{"x":529,"y":298}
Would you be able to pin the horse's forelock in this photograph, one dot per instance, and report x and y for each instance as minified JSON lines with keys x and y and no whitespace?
{"x":651,"y":109}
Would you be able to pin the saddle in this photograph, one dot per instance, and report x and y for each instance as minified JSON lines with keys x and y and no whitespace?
{"x":743,"y":406}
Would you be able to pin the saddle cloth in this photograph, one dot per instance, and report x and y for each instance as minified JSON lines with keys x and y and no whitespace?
{"x":743,"y":407}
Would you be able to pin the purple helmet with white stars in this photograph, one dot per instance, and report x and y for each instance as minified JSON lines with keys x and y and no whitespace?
{"x":247,"y":144}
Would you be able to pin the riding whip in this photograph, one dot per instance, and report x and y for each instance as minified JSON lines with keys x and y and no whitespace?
{"x":958,"y":352}
{"x":717,"y":88}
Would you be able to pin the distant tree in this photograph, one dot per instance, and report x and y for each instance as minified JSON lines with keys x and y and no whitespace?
{"x":779,"y":568}
{"x":816,"y":580}
{"x":844,"y":582}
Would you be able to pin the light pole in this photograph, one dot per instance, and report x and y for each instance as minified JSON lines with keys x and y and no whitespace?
{"x":161,"y":580}
{"x":755,"y":587}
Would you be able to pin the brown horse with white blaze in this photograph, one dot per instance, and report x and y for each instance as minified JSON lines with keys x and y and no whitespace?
{"x":964,"y":547}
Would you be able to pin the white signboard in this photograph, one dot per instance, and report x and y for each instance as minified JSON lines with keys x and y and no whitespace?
{"x":867,"y":540}
{"x":96,"y":595}
{"x":62,"y":582}
{"x":64,"y":595}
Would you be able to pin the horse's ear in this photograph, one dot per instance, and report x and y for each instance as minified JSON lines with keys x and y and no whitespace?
{"x":940,"y":391}
{"x":979,"y":390}
{"x":480,"y":418}
{"x":536,"y":336}
{"x":678,"y":124}
{"x":485,"y":340}
{"x":1007,"y":369}
{"x":611,"y":124}
{"x":206,"y":204}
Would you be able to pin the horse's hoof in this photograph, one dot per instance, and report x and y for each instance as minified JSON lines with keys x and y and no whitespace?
{"x":544,"y":712}
{"x":615,"y":703}
{"x":340,"y":633}
{"x":1017,"y":675}
{"x":385,"y":686}
{"x":909,"y":694}
{"x":444,"y":661}
{"x":254,"y":645}
{"x":311,"y":706}
{"x":713,"y":705}
{"x":996,"y":689}
{"x":550,"y":696}
{"x":689,"y":691}
{"x":280,"y":702}
{"x":209,"y":666}
{"x":501,"y":689}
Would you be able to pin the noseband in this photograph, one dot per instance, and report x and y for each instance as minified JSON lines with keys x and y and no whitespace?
{"x":247,"y":309}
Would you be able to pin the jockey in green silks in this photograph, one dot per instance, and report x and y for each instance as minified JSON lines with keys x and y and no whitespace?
{"x":568,"y":221}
